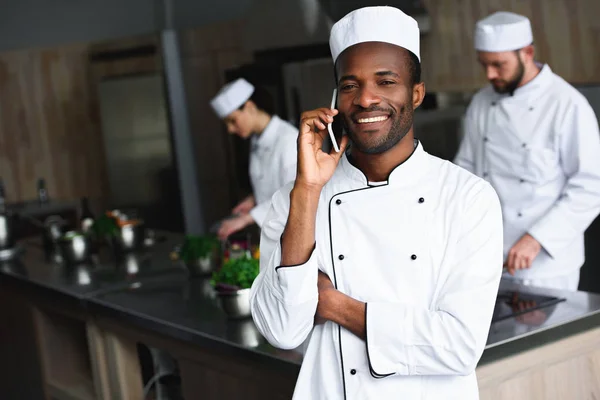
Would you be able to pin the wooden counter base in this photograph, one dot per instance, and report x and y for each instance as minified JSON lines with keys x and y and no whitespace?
{"x":566,"y":369}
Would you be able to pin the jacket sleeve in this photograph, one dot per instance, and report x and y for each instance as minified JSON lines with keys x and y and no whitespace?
{"x":465,"y":157}
{"x":283,"y":298}
{"x":579,"y":203}
{"x":259,"y":212}
{"x":447,"y":338}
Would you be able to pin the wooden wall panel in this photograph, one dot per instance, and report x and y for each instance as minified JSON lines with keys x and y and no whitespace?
{"x":566,"y":35}
{"x":129,"y":64}
{"x":207,"y":52}
{"x":49,"y":124}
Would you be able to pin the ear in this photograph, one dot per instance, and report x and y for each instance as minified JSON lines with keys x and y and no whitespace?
{"x":528,"y":53}
{"x":418,"y":94}
{"x":250,"y":106}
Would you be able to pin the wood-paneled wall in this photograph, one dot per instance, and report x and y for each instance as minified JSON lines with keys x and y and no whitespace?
{"x":49,"y":118}
{"x":49,"y":124}
{"x":207,"y":52}
{"x":566,"y":35}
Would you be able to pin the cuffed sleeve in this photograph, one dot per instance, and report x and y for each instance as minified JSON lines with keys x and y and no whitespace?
{"x":449,"y":337}
{"x":283,"y":298}
{"x":579,"y":203}
{"x":259,"y":212}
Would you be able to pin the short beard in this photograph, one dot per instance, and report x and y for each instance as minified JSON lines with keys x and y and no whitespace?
{"x":513,"y":84}
{"x":400,"y":127}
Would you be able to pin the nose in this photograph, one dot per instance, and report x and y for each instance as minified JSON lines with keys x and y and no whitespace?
{"x":366,"y":97}
{"x":231,"y":129}
{"x":491,"y":73}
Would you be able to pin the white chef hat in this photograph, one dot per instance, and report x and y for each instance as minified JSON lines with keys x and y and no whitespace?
{"x":375,"y":24}
{"x":503,"y":31}
{"x":231,"y":97}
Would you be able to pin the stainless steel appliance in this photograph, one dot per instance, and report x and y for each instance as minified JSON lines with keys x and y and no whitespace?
{"x":138,"y":149}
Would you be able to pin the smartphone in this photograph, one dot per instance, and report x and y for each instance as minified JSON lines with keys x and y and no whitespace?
{"x":329,"y":128}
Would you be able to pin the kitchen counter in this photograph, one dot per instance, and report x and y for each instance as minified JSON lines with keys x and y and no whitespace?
{"x":35,"y":269}
{"x":578,"y":312}
{"x":187,"y":309}
{"x":149,"y":292}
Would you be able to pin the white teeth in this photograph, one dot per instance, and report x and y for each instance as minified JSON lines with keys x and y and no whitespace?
{"x":374,"y":119}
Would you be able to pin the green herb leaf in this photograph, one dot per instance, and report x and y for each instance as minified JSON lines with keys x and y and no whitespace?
{"x":195,"y":247}
{"x":239,"y":272}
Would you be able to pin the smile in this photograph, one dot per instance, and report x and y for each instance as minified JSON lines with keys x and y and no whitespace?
{"x":373,"y":119}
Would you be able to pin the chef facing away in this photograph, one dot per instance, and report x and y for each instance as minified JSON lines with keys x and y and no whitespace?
{"x":388,"y":258}
{"x":535,"y":138}
{"x":247,"y":112}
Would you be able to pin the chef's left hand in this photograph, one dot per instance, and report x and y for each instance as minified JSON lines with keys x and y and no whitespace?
{"x":233,"y":225}
{"x":326,"y":289}
{"x":522,"y":254}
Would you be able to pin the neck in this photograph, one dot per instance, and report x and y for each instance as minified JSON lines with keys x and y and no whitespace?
{"x":531,"y":71}
{"x":262,"y":120}
{"x":377,"y":167}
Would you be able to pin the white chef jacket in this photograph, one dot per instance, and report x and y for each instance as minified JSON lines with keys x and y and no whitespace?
{"x":273,"y":158}
{"x":540,"y":150}
{"x":423,"y":250}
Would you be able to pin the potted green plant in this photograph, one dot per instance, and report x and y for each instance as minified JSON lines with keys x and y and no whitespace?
{"x":104,"y":228}
{"x":232,"y":283}
{"x":199,"y":253}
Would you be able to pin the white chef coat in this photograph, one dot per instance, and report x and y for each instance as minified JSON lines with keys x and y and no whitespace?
{"x":273,"y":158}
{"x":424,"y":251}
{"x":540,"y":150}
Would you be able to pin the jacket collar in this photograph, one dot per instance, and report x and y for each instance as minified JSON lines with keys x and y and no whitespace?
{"x":531,"y":91}
{"x":268,"y":137}
{"x":405,"y":174}
{"x":541,"y":81}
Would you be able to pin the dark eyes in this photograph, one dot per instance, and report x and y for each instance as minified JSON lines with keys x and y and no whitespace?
{"x":352,"y":86}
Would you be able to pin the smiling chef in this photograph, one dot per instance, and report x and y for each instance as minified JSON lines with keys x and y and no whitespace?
{"x":389,"y":258}
{"x":535,"y":138}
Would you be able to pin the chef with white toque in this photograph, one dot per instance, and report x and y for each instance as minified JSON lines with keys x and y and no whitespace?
{"x":535,"y":138}
{"x":248,"y":112}
{"x":387,"y":257}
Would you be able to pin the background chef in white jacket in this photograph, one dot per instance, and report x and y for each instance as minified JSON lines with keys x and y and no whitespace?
{"x":248,"y":114}
{"x":535,"y":139}
{"x":389,"y":256}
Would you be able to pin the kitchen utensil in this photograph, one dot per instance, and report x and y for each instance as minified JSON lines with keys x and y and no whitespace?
{"x":201,"y":266}
{"x":74,"y":247}
{"x":235,"y":303}
{"x":7,"y":231}
{"x":130,"y":237}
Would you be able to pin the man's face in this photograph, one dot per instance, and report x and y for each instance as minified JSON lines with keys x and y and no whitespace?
{"x":375,"y":98}
{"x":504,"y":70}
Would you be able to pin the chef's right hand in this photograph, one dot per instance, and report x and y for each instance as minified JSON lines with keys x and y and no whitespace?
{"x":315,"y":167}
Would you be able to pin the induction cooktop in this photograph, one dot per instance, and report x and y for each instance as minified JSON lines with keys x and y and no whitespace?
{"x":510,"y":304}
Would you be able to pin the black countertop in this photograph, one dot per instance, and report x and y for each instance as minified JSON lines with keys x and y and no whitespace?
{"x":150,"y":291}
{"x":38,"y":269}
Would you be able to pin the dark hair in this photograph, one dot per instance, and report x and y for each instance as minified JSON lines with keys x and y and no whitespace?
{"x":263,"y":100}
{"x":414,"y":68}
